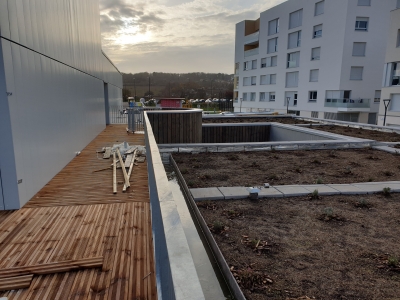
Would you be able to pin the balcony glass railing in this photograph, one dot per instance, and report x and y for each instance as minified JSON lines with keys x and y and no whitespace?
{"x":251,"y":38}
{"x":251,"y":52}
{"x":348,"y":103}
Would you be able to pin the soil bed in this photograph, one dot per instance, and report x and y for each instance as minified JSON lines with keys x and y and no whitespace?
{"x":360,"y":133}
{"x":254,"y":120}
{"x":333,"y":247}
{"x":287,"y":167}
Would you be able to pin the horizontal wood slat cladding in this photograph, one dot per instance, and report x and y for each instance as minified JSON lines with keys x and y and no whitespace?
{"x":235,"y":134}
{"x":172,"y":127}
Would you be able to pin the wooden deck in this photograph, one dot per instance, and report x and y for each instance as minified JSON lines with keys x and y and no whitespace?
{"x":77,"y":216}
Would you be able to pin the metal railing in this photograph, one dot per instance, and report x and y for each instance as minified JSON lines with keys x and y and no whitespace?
{"x":135,"y":118}
{"x":347,"y":103}
{"x":251,"y":38}
{"x":118,"y":115}
{"x":251,"y":52}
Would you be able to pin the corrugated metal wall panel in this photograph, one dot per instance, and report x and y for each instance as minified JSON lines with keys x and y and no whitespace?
{"x":56,"y":108}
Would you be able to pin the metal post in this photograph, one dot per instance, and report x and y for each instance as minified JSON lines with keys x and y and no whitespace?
{"x":134,"y":88}
{"x":149,"y":88}
{"x":241,"y":99}
{"x":386,"y":103}
{"x":287,"y":105}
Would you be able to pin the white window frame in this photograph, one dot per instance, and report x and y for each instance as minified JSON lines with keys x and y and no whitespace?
{"x":271,"y":60}
{"x":295,"y":79}
{"x":398,"y":4}
{"x":254,"y":64}
{"x":355,"y":72}
{"x":398,"y":37}
{"x":262,"y":97}
{"x":273,"y":27}
{"x":313,"y":77}
{"x":253,"y":96}
{"x":317,"y":31}
{"x":311,"y":95}
{"x":360,"y":21}
{"x":253,"y":80}
{"x":313,"y":55}
{"x":272,"y":78}
{"x":296,"y":19}
{"x":246,"y":81}
{"x":246,"y":65}
{"x":293,"y":60}
{"x":318,"y":10}
{"x":271,"y":96}
{"x":357,"y":46}
{"x":244,"y":96}
{"x":273,"y":48}
{"x":263,"y":62}
{"x":297,"y":36}
{"x":377,"y":96}
{"x":263,"y":79}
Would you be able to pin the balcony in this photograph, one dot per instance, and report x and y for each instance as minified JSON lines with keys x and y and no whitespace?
{"x":357,"y":105}
{"x":252,"y":39}
{"x":251,"y":52}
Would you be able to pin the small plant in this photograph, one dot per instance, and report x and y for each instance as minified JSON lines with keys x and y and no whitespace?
{"x":254,"y":164}
{"x":196,"y":166}
{"x":205,"y":176}
{"x":317,"y":162}
{"x":190,"y":184}
{"x":362,"y":203}
{"x":273,"y":150}
{"x":393,"y":261}
{"x":370,"y":179}
{"x":386,"y":191}
{"x":397,"y":152}
{"x":184,"y":171}
{"x":328,"y":211}
{"x":348,"y":170}
{"x":332,"y":153}
{"x":218,"y":227}
{"x":319,"y":181}
{"x":314,"y":195}
{"x":273,"y":177}
{"x":298,"y":170}
{"x":388,"y":173}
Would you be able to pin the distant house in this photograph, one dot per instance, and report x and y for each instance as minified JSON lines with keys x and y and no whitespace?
{"x":56,"y":85}
{"x":391,"y":77}
{"x":170,"y":102}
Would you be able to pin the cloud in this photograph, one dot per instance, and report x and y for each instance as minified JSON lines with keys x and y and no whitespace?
{"x":133,"y":31}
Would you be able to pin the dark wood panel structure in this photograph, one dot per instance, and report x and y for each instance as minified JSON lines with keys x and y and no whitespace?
{"x":176,"y":126}
{"x":230,"y":133}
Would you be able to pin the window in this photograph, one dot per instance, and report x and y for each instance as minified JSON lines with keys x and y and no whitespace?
{"x":236,"y":68}
{"x":396,"y":74}
{"x":295,"y":19}
{"x":314,"y":114}
{"x":254,"y":64}
{"x":272,"y":61}
{"x":362,"y":24}
{"x":253,"y":80}
{"x":262,"y":96}
{"x":268,"y":79}
{"x":252,"y":96}
{"x":377,"y":97}
{"x":295,"y":99}
{"x":293,"y":59}
{"x":398,"y":4}
{"x":272,"y":45}
{"x":359,"y":49}
{"x":398,"y":37}
{"x":364,"y":3}
{"x":315,"y":53}
{"x":273,"y":27}
{"x":244,"y":96}
{"x":314,"y":75}
{"x":263,"y":62}
{"x":312,"y":96}
{"x":246,"y":66}
{"x":292,"y":79}
{"x":319,"y":8}
{"x":356,"y":73}
{"x":246,"y":81}
{"x":294,"y":40}
{"x":272,"y":96}
{"x":317,"y":31}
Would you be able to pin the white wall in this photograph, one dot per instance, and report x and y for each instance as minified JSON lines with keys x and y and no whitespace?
{"x":54,"y":68}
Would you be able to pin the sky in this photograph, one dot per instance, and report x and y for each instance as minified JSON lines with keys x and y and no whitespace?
{"x":175,"y":36}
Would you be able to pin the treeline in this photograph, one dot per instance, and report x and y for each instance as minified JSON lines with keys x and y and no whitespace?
{"x":184,"y":85}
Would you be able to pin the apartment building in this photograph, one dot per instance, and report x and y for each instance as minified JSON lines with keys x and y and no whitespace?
{"x":320,"y":59}
{"x":391,"y":75}
{"x":56,"y":85}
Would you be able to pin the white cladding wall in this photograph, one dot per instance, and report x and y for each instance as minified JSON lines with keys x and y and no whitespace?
{"x":51,"y":61}
{"x":336,"y":43}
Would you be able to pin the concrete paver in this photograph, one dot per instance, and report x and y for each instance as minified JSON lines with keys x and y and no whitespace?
{"x":235,"y":192}
{"x":207,"y":194}
{"x":269,"y":193}
{"x":347,"y":189}
{"x":292,"y":190}
{"x":322,"y":189}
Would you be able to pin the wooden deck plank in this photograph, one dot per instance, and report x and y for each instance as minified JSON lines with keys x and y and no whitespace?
{"x":68,"y":219}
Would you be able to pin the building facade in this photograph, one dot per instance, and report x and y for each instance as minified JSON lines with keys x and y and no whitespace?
{"x":56,"y":85}
{"x":317,"y":59}
{"x":391,"y":75}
